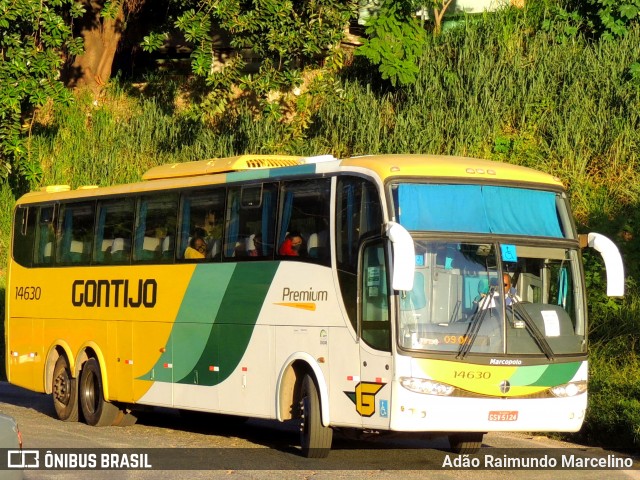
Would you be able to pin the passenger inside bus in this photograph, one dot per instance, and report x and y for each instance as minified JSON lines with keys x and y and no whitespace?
{"x":196,"y":250}
{"x":254,"y":246}
{"x":292,"y":245}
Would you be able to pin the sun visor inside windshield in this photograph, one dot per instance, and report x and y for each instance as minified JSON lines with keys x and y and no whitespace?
{"x":478,"y":209}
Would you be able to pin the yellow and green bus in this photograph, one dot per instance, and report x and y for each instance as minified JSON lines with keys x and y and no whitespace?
{"x":388,"y":293}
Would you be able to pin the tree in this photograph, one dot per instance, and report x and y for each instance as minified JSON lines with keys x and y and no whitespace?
{"x":439,"y":9}
{"x":101,"y":27}
{"x":35,"y":37}
{"x":285,"y":36}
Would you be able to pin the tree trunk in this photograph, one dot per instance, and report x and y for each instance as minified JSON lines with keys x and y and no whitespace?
{"x":101,"y":37}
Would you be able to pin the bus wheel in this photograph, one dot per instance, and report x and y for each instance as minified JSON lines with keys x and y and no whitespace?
{"x":465,"y":443}
{"x":315,"y":439}
{"x":64,"y":391}
{"x":95,"y":409}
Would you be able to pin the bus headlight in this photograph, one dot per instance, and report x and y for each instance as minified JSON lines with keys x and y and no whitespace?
{"x":570,"y":389}
{"x":422,"y":385}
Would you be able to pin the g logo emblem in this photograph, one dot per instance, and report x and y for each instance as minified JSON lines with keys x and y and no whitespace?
{"x":364,"y":397}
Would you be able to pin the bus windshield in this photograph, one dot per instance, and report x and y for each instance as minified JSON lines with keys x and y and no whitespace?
{"x":493,"y":298}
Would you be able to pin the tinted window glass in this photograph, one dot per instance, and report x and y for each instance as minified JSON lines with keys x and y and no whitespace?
{"x":250,"y":222}
{"x":155,"y":223}
{"x":23,"y":234}
{"x":44,"y":248}
{"x":201,"y":224}
{"x":114,"y":231}
{"x":304,"y":220}
{"x":75,"y":233}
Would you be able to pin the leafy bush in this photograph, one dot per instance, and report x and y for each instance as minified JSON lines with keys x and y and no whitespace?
{"x":395,"y":42}
{"x":34,"y":37}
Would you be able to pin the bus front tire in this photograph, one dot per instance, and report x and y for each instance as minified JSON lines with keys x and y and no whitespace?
{"x":465,"y":443}
{"x":315,"y":438}
{"x":64,"y":391}
{"x":96,"y":410}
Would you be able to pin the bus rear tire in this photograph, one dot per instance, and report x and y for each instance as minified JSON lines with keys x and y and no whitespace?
{"x":64,"y":391}
{"x":96,"y":410}
{"x":465,"y":443}
{"x":315,"y":439}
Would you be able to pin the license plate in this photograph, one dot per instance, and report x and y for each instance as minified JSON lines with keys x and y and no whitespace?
{"x":503,"y":416}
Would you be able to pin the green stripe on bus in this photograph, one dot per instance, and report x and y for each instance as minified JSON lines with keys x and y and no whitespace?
{"x":557,"y":374}
{"x":544,"y":375}
{"x":247,"y":175}
{"x":234,"y":323}
{"x":308,"y":169}
{"x":527,"y":375}
{"x":192,"y":327}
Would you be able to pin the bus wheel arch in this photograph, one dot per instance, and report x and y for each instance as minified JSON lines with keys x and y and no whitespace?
{"x":55,"y":352}
{"x":289,"y":384}
{"x":63,"y":387}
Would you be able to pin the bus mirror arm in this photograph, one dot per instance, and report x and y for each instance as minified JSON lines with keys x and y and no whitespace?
{"x":404,"y":257}
{"x":612,"y":261}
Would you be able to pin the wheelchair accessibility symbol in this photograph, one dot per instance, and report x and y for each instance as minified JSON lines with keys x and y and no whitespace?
{"x":384,"y":408}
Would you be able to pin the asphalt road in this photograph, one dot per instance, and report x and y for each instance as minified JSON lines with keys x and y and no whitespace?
{"x":209,"y":447}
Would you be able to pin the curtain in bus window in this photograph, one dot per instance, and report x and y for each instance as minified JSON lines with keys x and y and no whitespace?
{"x":287,"y":207}
{"x":521,"y":211}
{"x":350,"y":200}
{"x":45,"y":236}
{"x":563,"y":285}
{"x":456,"y":208}
{"x":234,"y":224}
{"x":185,"y":225}
{"x":479,"y":209}
{"x":267,"y":221}
{"x":141,"y":227}
{"x":44,"y":254}
{"x":67,"y":234}
{"x":102,"y":217}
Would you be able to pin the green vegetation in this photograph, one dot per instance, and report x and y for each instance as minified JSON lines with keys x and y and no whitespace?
{"x":33,"y":35}
{"x":536,"y":87}
{"x":395,"y":41}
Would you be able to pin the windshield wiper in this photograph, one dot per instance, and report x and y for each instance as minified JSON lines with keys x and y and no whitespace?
{"x":474,"y":324}
{"x":533,"y":330}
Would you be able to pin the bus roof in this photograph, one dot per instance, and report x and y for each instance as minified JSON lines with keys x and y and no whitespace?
{"x":253,"y":167}
{"x":445,"y":166}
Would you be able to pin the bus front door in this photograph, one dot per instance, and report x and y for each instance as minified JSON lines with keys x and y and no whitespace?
{"x":373,"y":393}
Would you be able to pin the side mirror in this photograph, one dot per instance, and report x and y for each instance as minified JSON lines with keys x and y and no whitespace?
{"x":612,"y":261}
{"x":404,"y":257}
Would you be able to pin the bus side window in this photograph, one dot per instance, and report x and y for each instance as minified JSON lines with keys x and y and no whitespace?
{"x":201,"y":215}
{"x":23,"y":234}
{"x":45,"y":236}
{"x":155,"y":221}
{"x":250,"y":222}
{"x":112,"y":243}
{"x":305,"y":209}
{"x":75,"y":233}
